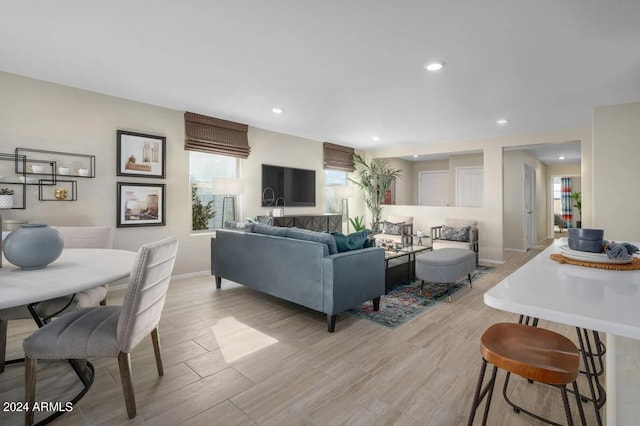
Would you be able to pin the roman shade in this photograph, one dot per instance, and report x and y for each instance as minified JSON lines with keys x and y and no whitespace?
{"x":338,"y":157}
{"x":215,"y":136}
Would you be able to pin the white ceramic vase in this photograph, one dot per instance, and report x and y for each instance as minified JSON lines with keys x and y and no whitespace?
{"x":6,"y":201}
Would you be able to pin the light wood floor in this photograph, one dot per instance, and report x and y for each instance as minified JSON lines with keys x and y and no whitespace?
{"x":237,"y":357}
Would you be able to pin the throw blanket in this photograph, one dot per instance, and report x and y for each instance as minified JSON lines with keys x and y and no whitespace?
{"x":619,"y":250}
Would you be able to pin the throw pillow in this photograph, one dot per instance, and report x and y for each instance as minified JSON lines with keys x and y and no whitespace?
{"x":392,"y":228}
{"x":455,"y":234}
{"x":354,"y":241}
{"x":261,"y":228}
{"x":318,"y":237}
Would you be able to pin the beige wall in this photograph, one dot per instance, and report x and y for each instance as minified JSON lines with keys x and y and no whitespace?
{"x":37,"y":114}
{"x":490,"y":216}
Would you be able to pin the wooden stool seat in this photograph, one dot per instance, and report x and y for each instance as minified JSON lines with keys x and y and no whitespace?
{"x":533,"y":353}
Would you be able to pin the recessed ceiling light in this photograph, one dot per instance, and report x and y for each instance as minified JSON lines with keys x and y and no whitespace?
{"x":502,"y":121}
{"x":375,"y":138}
{"x":277,"y":110}
{"x":434,"y":65}
{"x":415,"y":155}
{"x":562,"y":157}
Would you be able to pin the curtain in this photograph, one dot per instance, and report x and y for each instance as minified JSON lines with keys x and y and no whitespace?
{"x":338,"y":157}
{"x":567,"y":201}
{"x":215,"y":136}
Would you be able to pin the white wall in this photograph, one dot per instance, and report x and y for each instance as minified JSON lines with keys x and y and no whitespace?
{"x":37,"y":114}
{"x":490,"y":216}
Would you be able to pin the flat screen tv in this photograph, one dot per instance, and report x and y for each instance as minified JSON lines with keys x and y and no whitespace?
{"x":297,"y":187}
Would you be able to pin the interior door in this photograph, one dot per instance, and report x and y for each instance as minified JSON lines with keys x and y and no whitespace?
{"x":529,"y":206}
{"x":433,"y":188}
{"x":469,"y":186}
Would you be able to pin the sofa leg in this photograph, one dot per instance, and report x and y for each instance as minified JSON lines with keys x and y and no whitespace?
{"x":218,"y":282}
{"x":331,"y":323}
{"x":470,"y":283}
{"x":376,"y":303}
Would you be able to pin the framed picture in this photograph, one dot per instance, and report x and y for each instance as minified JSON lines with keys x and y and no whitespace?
{"x":141,"y":155}
{"x":140,"y":204}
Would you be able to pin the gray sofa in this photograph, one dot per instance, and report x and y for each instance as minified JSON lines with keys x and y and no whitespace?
{"x":289,"y":266}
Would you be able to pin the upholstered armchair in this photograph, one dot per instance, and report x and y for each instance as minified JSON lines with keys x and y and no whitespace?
{"x":559,"y":221}
{"x":396,"y":228}
{"x":456,"y":233}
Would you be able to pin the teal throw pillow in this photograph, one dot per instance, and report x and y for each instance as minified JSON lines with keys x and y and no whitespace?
{"x":354,"y":241}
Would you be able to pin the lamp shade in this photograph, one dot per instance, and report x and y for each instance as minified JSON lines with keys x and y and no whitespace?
{"x":344,"y":191}
{"x":227,"y":186}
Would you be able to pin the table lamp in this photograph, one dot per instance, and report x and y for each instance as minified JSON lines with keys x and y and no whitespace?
{"x":344,"y":192}
{"x":228,"y":188}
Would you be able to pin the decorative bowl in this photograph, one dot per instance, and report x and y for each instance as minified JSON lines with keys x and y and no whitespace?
{"x":36,"y":168}
{"x":579,"y":244}
{"x":586,"y":234}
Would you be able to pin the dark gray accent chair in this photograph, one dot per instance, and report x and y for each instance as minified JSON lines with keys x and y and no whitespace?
{"x":109,"y":331}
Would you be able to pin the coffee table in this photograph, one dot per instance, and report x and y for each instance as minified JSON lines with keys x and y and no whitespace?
{"x":398,"y":269}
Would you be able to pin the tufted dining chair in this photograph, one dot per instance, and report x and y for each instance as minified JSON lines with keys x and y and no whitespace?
{"x":74,"y":237}
{"x":109,"y":331}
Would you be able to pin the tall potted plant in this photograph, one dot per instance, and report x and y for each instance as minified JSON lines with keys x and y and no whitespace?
{"x":374,"y":179}
{"x":577,"y":198}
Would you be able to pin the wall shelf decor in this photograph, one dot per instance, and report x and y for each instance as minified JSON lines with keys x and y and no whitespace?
{"x":56,"y":163}
{"x":57,"y":190}
{"x":9,"y":180}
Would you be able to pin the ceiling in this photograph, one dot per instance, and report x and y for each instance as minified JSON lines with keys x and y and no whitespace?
{"x":343,"y":71}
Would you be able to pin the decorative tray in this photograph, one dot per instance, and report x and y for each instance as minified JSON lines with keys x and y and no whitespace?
{"x":586,"y":256}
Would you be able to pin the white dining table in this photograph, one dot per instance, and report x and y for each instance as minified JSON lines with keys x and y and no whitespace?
{"x":75,"y":270}
{"x":596,"y":299}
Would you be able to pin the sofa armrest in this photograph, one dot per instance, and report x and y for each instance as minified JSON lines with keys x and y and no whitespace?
{"x":352,"y":277}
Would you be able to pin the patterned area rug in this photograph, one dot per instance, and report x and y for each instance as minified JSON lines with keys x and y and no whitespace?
{"x":405,"y":302}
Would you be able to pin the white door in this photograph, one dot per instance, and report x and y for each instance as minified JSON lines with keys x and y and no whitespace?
{"x":433,"y":188}
{"x":529,"y":206}
{"x":469,"y":186}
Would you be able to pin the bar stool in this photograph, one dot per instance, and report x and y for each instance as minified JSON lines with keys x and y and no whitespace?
{"x":533,"y":353}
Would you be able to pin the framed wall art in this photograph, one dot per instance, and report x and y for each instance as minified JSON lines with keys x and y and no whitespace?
{"x":141,"y":155}
{"x":140,"y":204}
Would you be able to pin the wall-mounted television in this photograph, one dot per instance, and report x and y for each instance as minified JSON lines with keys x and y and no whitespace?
{"x":297,"y":187}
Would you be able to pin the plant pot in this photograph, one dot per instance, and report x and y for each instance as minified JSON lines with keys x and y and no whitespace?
{"x":6,"y":201}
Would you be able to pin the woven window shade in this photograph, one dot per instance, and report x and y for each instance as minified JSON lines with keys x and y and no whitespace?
{"x":216,"y":136}
{"x":338,"y":157}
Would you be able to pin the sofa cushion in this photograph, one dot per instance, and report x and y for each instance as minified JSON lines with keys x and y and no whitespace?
{"x":392,"y":228}
{"x":354,"y":241}
{"x":455,"y":234}
{"x":260,"y":228}
{"x":318,"y":237}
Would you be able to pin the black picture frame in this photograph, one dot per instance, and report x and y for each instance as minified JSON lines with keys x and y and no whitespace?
{"x":141,"y":155}
{"x":140,"y":204}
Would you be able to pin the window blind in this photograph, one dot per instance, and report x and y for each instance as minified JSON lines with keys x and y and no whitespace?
{"x":216,"y":136}
{"x":338,"y":157}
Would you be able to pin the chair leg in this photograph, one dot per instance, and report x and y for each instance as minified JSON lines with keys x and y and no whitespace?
{"x":331,"y":323}
{"x":124,"y":362}
{"x":470,"y":283}
{"x":3,"y":343}
{"x":156,"y":350}
{"x":103,"y":302}
{"x":30,"y":369}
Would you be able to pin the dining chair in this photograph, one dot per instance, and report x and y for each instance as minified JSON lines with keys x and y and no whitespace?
{"x":74,"y":237}
{"x":109,"y":331}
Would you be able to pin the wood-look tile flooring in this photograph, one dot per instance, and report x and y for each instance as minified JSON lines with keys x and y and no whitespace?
{"x":237,"y":357}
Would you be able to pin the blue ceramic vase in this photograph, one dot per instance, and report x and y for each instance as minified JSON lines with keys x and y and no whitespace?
{"x":33,"y":246}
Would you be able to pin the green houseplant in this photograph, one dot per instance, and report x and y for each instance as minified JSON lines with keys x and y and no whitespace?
{"x":201,"y":213}
{"x":357,"y":223}
{"x":577,"y":198}
{"x":374,"y":179}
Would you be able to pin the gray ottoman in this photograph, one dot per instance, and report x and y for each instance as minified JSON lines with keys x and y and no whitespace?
{"x":445,"y":266}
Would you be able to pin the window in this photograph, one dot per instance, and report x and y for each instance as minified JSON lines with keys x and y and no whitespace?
{"x":203,"y":167}
{"x":333,"y":178}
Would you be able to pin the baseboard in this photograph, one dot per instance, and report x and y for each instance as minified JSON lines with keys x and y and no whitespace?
{"x":491,"y":261}
{"x":516,"y":250}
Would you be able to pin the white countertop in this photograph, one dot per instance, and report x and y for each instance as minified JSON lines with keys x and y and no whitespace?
{"x":596,"y":299}
{"x":75,"y":270}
